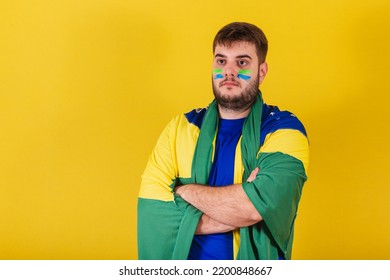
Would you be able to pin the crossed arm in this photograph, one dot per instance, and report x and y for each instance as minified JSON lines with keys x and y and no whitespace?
{"x":224,"y":208}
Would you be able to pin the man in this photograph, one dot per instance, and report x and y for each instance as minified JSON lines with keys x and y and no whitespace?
{"x":224,"y":182}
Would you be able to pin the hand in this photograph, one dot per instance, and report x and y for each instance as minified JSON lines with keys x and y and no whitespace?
{"x":179,"y":190}
{"x":176,"y":190}
{"x":253,"y":175}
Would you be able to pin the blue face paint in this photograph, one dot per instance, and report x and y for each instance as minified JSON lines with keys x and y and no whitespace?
{"x":217,"y":74}
{"x":243,"y":77}
{"x":242,"y":74}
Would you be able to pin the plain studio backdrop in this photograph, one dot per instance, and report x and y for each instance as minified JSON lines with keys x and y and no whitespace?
{"x":87,"y":86}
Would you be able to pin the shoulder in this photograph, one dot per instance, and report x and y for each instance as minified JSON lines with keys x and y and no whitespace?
{"x":196,"y":116}
{"x":182,"y":124}
{"x":282,"y":132}
{"x":273,"y":120}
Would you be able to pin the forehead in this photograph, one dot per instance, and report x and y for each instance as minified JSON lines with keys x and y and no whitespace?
{"x":236,"y":49}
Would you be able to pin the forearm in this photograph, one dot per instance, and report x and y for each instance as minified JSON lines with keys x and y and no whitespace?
{"x":227,"y":205}
{"x":208,"y":225}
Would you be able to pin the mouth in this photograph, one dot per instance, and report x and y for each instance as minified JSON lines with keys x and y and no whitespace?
{"x":229,"y":83}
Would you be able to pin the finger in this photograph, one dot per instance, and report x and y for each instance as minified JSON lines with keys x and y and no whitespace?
{"x":253,"y":175}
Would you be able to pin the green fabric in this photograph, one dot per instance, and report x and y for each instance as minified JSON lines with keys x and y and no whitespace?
{"x":202,"y":161}
{"x":250,"y":142}
{"x":275,"y":193}
{"x":166,"y":229}
{"x":157,"y":229}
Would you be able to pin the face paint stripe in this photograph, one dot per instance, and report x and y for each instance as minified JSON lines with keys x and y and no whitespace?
{"x":243,"y":77}
{"x":244,"y":72}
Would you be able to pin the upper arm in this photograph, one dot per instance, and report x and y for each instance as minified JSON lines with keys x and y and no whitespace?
{"x":277,"y":189}
{"x":159,"y":213}
{"x":283,"y":161}
{"x":170,"y":159}
{"x":161,"y":168}
{"x":291,"y":142}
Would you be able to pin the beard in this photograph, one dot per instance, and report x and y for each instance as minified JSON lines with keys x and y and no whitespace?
{"x":240,"y":102}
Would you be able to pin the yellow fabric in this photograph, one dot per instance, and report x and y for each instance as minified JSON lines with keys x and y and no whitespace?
{"x":238,"y":172}
{"x":164,"y":165}
{"x":288,"y":141}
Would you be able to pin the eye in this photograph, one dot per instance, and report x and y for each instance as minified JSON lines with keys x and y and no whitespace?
{"x":220,"y":61}
{"x":242,"y":63}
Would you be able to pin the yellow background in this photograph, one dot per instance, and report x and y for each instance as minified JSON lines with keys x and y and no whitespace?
{"x":87,"y":86}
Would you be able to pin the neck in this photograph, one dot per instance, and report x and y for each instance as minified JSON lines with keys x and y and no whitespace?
{"x":229,"y":114}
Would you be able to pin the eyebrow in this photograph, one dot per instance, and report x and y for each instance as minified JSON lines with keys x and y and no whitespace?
{"x":238,"y":56}
{"x":244,"y":56}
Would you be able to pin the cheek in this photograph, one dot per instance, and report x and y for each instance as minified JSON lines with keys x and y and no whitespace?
{"x":244,"y":74}
{"x":217,"y":74}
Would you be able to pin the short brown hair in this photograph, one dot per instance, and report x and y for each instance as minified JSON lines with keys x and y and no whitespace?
{"x":243,"y":32}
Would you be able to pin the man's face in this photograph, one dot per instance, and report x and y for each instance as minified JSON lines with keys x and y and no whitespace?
{"x":237,"y":75}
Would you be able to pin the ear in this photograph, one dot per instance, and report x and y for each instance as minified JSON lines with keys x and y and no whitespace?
{"x":263,"y":69}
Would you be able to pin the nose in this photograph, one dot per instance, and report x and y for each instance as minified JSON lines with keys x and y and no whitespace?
{"x":230,"y":70}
